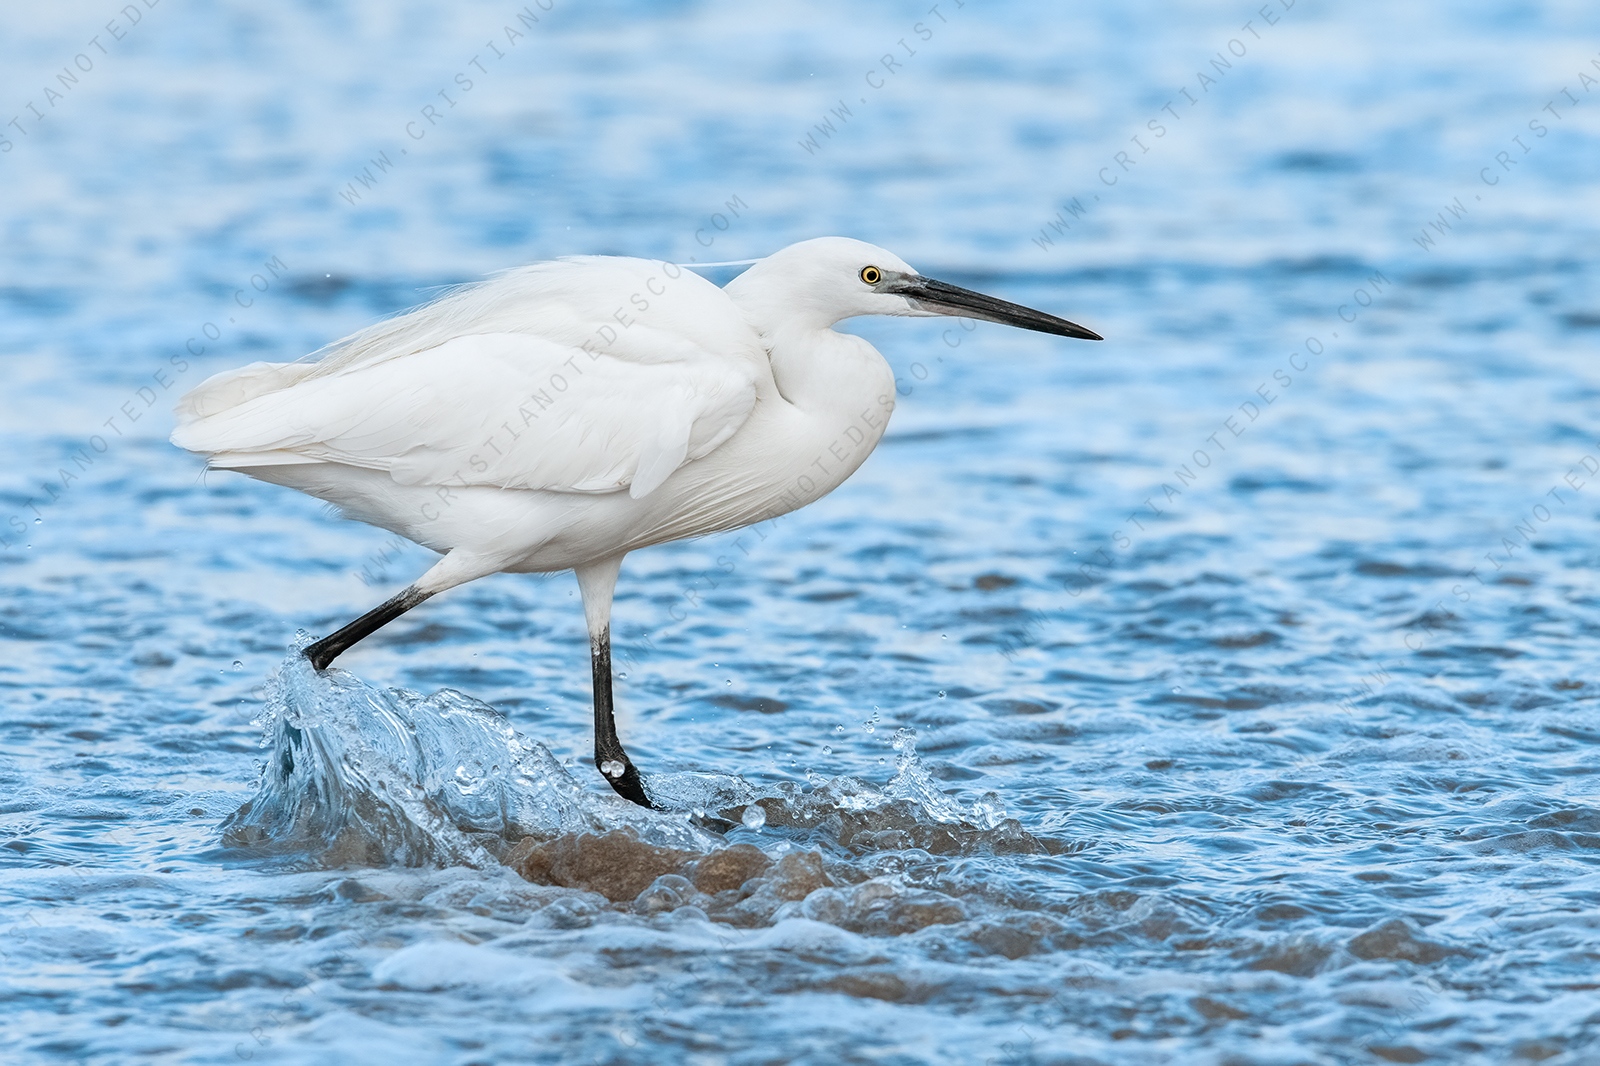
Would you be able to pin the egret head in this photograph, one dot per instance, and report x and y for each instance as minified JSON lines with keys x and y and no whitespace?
{"x":825,"y":280}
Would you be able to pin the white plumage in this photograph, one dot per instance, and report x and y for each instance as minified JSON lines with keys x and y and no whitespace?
{"x":563,"y":414}
{"x":571,"y":377}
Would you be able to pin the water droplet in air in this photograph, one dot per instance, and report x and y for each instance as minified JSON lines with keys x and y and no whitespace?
{"x":941,"y":694}
{"x":754,"y":817}
{"x":237,"y":665}
{"x":1178,"y":688}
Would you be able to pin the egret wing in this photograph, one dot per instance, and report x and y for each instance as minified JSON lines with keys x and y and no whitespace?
{"x":568,"y":399}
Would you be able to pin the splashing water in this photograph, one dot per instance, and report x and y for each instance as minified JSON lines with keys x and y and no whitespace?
{"x":369,"y":776}
{"x":361,"y":775}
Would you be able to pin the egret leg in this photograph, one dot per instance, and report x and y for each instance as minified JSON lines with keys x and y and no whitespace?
{"x":609,"y":757}
{"x":598,"y":582}
{"x":329,"y":648}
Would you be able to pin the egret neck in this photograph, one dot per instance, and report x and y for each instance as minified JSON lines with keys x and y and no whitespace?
{"x":840,"y":387}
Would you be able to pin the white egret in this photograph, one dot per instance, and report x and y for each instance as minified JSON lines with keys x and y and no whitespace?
{"x":564,"y":414}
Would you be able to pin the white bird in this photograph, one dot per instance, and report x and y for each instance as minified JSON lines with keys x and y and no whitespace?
{"x":564,"y":414}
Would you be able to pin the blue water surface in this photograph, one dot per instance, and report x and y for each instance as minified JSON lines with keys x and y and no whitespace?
{"x":1221,"y":693}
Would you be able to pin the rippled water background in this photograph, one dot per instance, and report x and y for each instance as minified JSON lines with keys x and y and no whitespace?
{"x":1285,"y":758}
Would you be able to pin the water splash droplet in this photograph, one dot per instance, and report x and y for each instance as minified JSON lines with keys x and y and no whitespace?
{"x":988,"y":811}
{"x":827,"y":749}
{"x":754,"y":816}
{"x":941,"y":694}
{"x":237,"y":665}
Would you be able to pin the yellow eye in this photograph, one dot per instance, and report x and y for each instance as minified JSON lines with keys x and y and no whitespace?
{"x":871,"y":275}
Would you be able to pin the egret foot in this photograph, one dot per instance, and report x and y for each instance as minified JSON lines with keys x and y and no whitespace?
{"x":624,"y":777}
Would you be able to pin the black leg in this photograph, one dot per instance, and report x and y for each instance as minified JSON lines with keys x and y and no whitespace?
{"x":609,"y":758}
{"x":324,"y":651}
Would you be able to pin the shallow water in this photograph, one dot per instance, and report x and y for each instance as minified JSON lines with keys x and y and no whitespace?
{"x":1221,"y":693}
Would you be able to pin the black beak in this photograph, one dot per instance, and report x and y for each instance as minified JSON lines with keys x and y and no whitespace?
{"x":946,"y":299}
